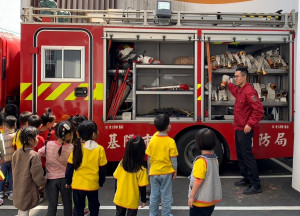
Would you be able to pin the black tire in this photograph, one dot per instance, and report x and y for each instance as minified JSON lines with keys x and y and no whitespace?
{"x":188,"y":152}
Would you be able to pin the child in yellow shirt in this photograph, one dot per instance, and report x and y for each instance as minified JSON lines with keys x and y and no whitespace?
{"x":162,"y":156}
{"x":86,"y":169}
{"x":131,"y":177}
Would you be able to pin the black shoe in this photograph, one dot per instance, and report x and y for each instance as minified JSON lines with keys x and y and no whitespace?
{"x":241,"y":183}
{"x":252,"y":190}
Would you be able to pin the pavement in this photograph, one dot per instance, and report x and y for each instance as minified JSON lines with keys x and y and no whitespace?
{"x":278,"y":197}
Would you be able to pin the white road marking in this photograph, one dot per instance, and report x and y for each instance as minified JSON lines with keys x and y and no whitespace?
{"x":233,"y":177}
{"x":218,"y":208}
{"x":282,"y":164}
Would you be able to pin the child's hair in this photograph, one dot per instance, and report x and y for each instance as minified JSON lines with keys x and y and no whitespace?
{"x":76,"y":121}
{"x":35,"y":121}
{"x":11,"y":109}
{"x":24,"y":117}
{"x":161,"y":122}
{"x":134,"y":156}
{"x":62,"y":129}
{"x":48,"y":116}
{"x":27,"y":134}
{"x":205,"y":139}
{"x":10,"y":121}
{"x":86,"y":130}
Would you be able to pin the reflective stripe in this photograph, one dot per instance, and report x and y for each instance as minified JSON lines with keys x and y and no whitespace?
{"x":41,"y":89}
{"x":24,"y":86}
{"x":98,"y":91}
{"x":72,"y":95}
{"x":198,"y":87}
{"x":97,"y":94}
{"x":58,"y":91}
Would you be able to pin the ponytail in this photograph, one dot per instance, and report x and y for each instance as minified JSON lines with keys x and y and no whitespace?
{"x":48,"y":138}
{"x":77,"y":154}
{"x":63,"y":141}
{"x":62,"y":129}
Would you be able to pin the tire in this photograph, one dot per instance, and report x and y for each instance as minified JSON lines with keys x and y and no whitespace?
{"x":188,"y":152}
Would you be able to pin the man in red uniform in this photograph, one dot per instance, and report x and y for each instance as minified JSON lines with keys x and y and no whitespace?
{"x":248,"y":111}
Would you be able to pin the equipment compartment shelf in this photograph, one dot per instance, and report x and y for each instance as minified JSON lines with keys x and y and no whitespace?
{"x":169,"y":92}
{"x":265,"y":104}
{"x":269,"y":71}
{"x":159,"y":66}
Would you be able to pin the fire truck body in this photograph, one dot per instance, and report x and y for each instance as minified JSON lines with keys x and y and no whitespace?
{"x":70,"y":68}
{"x":9,"y":68}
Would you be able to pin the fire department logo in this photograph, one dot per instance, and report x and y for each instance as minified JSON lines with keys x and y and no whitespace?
{"x":254,"y":98}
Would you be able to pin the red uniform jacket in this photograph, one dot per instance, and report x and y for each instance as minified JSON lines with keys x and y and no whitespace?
{"x":40,"y":144}
{"x":248,"y":109}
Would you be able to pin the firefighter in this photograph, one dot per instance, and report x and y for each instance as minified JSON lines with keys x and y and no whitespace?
{"x":248,"y":111}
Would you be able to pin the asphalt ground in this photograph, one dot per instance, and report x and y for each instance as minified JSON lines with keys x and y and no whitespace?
{"x":278,"y":197}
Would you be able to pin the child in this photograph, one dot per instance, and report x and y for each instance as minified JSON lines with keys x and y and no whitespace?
{"x":205,"y":185}
{"x":162,"y":156}
{"x":9,"y":126}
{"x":48,"y":121}
{"x":57,"y":154}
{"x":24,"y":123}
{"x":27,"y":173}
{"x":35,"y":121}
{"x":131,"y":177}
{"x":86,"y":169}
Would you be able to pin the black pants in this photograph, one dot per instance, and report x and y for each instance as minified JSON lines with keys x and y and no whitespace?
{"x":53,"y":186}
{"x":79,"y":202}
{"x":122,"y":211}
{"x":201,"y":211}
{"x":246,"y":160}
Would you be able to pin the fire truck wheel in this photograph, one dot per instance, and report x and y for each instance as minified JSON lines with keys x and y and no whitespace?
{"x":188,"y":152}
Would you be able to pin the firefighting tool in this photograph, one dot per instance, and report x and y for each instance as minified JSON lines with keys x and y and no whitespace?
{"x":184,"y":87}
{"x":144,"y":59}
{"x":113,"y":89}
{"x":118,"y":97}
{"x":225,"y":78}
{"x":283,"y":96}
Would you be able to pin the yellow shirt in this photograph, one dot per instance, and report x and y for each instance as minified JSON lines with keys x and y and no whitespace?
{"x":86,"y":177}
{"x":16,"y":140}
{"x":200,"y":169}
{"x":128,"y":193}
{"x":161,"y":148}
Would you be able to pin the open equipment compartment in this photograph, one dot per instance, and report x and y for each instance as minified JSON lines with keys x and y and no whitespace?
{"x":162,"y":74}
{"x":269,"y":72}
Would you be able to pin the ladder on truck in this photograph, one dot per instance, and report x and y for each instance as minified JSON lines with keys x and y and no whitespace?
{"x":149,"y":18}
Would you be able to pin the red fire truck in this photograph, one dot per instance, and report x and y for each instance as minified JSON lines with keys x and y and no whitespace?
{"x":122,"y":68}
{"x":9,"y":68}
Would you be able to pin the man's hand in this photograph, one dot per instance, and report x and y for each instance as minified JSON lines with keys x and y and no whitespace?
{"x":190,"y":202}
{"x":143,"y":205}
{"x":247,"y":129}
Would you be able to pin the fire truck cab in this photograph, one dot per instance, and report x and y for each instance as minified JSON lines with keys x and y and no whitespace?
{"x":122,"y":68}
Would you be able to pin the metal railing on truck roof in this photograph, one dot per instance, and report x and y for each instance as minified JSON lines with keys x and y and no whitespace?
{"x":149,"y":18}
